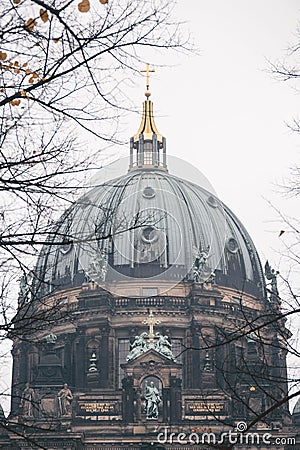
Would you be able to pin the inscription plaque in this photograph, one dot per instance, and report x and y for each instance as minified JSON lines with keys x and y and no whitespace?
{"x":204,"y":407}
{"x":94,"y":408}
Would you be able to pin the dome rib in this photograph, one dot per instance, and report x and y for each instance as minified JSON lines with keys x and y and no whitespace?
{"x":191,"y":213}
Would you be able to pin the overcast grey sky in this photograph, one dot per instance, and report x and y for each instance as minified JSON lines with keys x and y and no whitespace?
{"x":224,"y":113}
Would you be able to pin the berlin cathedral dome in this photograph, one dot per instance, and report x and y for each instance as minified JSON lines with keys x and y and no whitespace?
{"x":150,"y":304}
{"x":149,"y":224}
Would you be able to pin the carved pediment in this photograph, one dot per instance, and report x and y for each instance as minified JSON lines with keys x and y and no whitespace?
{"x":153,"y":357}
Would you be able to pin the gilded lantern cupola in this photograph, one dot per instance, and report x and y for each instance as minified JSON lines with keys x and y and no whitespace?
{"x":147,"y":146}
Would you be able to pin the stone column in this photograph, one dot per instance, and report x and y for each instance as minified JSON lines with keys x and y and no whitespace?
{"x":166,"y":404}
{"x":16,"y":389}
{"x":188,"y":360}
{"x":138,"y":405}
{"x":175,"y":400}
{"x":196,"y":361}
{"x":79,"y":358}
{"x":104,"y":358}
{"x":127,"y":399}
{"x":68,"y":372}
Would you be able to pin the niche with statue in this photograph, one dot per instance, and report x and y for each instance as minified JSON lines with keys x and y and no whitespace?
{"x":152,"y":383}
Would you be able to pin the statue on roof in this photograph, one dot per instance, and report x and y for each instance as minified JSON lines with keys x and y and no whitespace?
{"x":164,"y":346}
{"x":138,"y":347}
{"x":147,"y":341}
{"x":51,"y":338}
{"x":200,"y":270}
{"x":271,"y":275}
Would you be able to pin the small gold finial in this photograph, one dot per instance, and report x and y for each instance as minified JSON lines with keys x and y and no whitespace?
{"x":151,"y":321}
{"x":147,"y":72}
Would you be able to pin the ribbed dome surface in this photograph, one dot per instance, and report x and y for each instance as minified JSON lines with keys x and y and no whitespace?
{"x":150,"y":224}
{"x":296,"y":409}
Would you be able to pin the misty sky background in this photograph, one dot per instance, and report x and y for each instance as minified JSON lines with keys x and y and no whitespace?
{"x":226,"y":114}
{"x":223,"y":112}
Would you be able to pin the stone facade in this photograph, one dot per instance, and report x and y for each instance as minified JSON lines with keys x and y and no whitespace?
{"x":210,"y":386}
{"x":189,"y":265}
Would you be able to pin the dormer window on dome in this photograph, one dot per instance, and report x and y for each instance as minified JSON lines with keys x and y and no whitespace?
{"x":147,"y":146}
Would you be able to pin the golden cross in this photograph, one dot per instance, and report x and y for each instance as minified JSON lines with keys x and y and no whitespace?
{"x":147,"y":72}
{"x":151,"y":321}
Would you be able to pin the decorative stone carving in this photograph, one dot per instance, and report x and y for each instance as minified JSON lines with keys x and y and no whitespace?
{"x":152,"y":400}
{"x":25,"y":287}
{"x":164,"y":346}
{"x":65,"y":398}
{"x":138,"y":347}
{"x":157,"y":401}
{"x":51,"y":338}
{"x":148,"y":341}
{"x":28,"y":400}
{"x":201,"y":272}
{"x":145,"y":342}
{"x":98,"y":268}
{"x":271,"y":275}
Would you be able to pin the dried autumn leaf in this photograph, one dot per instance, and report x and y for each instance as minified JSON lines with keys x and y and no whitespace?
{"x":3,"y":56}
{"x":16,"y":2}
{"x":44,"y":15}
{"x":23,"y":93}
{"x":103,"y":2}
{"x":25,"y":65}
{"x":34,"y":75}
{"x":31,"y":80}
{"x":55,"y":41}
{"x":10,"y":64}
{"x":16,"y":63}
{"x":15,"y":102}
{"x":30,"y":24}
{"x":28,"y":71}
{"x":84,"y":6}
{"x":16,"y":70}
{"x":1,"y":89}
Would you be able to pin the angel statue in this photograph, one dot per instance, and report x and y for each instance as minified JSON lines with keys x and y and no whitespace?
{"x":271,"y":275}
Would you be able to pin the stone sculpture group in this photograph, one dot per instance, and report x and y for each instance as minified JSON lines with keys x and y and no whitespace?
{"x":145,"y":342}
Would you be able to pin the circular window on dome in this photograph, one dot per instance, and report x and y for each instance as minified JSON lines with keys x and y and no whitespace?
{"x":212,"y":201}
{"x":149,"y":235}
{"x":232,"y":245}
{"x":148,"y":192}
